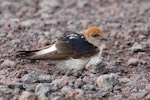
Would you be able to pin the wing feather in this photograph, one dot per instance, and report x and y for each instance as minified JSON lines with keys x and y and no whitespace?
{"x":62,"y":49}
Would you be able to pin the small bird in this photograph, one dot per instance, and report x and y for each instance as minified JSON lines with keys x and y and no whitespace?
{"x":71,"y":52}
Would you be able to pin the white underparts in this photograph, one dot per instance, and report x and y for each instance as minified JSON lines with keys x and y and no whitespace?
{"x":47,"y":50}
{"x":73,"y":64}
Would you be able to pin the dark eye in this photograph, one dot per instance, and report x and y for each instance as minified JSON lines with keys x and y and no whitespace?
{"x":94,"y":35}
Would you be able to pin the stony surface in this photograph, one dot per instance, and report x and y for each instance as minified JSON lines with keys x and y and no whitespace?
{"x":107,"y":82}
{"x":30,"y":24}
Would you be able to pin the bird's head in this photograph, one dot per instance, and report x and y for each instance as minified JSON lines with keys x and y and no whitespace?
{"x":94,"y":35}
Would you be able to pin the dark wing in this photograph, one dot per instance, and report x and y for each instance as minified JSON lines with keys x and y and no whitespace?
{"x":70,"y":46}
{"x":78,"y":46}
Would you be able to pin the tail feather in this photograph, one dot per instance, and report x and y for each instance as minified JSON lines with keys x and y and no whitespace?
{"x":26,"y":54}
{"x":38,"y":54}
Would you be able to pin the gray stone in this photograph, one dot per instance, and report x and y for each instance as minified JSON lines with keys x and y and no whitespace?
{"x":139,"y":94}
{"x":100,"y":94}
{"x":28,"y":96}
{"x":29,"y":87}
{"x":137,"y":47}
{"x":15,"y":85}
{"x":44,"y":78}
{"x":8,"y":63}
{"x":2,"y":22}
{"x":95,"y":65}
{"x":65,"y":89}
{"x":133,"y":61}
{"x":107,"y":81}
{"x":56,"y":98}
{"x":30,"y":78}
{"x":145,"y":31}
{"x":117,"y":97}
{"x":28,"y":23}
{"x":81,"y":4}
{"x":78,"y":83}
{"x":88,"y":87}
{"x":5,"y":90}
{"x":59,"y":83}
{"x":79,"y":91}
{"x":43,"y":88}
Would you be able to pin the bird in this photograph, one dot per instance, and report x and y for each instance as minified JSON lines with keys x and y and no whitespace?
{"x":71,"y":51}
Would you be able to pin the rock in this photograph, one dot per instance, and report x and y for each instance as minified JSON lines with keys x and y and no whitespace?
{"x":100,"y":94}
{"x":137,"y":48}
{"x":92,"y":76}
{"x":79,"y":97}
{"x":140,"y":94}
{"x":95,"y":65}
{"x":45,"y":16}
{"x":147,"y":97}
{"x":65,"y":89}
{"x":5,"y":90}
{"x":44,"y":78}
{"x":84,"y":23}
{"x":29,"y":87}
{"x":28,"y":96}
{"x":87,"y":79}
{"x":42,"y":90}
{"x":27,"y":23}
{"x":124,"y":80}
{"x":8,"y":63}
{"x":30,"y":78}
{"x":117,"y":87}
{"x":147,"y":87}
{"x":133,"y":61}
{"x":88,"y":87}
{"x":79,"y":92}
{"x":107,"y":81}
{"x":145,"y":31}
{"x":131,"y":85}
{"x":15,"y":85}
{"x":59,"y":83}
{"x":47,"y":4}
{"x":42,"y":41}
{"x":78,"y":83}
{"x":2,"y":22}
{"x":71,"y":92}
{"x":16,"y":91}
{"x":56,"y":98}
{"x":54,"y":3}
{"x":20,"y":73}
{"x":118,"y":97}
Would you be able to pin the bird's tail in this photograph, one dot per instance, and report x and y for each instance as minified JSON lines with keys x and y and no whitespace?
{"x":27,"y":54}
{"x":38,"y":54}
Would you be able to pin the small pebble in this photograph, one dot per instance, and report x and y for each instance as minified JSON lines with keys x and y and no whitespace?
{"x":44,"y":78}
{"x":133,"y":61}
{"x":137,"y":48}
{"x":107,"y":81}
{"x":8,"y":63}
{"x":25,"y":95}
{"x":32,"y":77}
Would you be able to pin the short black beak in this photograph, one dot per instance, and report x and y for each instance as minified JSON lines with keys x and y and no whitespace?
{"x":104,"y":39}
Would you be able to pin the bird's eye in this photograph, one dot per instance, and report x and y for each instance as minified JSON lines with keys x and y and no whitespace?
{"x":94,"y":35}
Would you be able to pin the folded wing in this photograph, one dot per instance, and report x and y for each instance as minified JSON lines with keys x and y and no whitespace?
{"x":63,"y":48}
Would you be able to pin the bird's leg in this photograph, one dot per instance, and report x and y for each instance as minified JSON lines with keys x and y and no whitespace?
{"x":101,"y":50}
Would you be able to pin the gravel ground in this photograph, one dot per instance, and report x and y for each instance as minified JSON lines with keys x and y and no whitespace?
{"x":29,"y":24}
